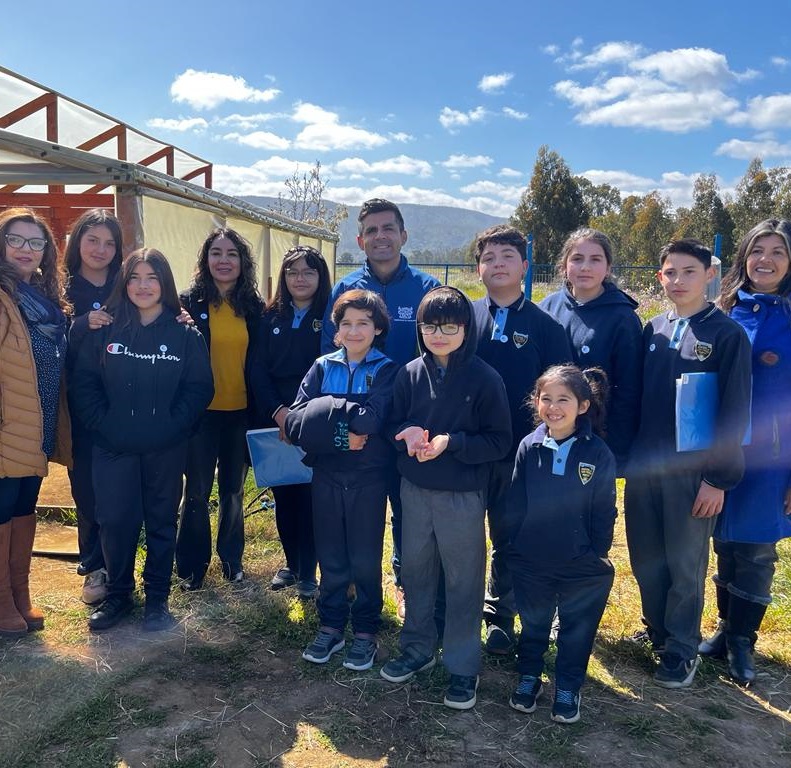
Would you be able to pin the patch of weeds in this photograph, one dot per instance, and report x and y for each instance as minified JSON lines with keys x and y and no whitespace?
{"x":226,"y":663}
{"x":642,"y":727}
{"x":717,"y":710}
{"x":555,"y":745}
{"x":698,"y":727}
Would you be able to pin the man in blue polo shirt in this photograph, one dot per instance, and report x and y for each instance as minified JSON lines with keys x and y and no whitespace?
{"x":381,"y":234}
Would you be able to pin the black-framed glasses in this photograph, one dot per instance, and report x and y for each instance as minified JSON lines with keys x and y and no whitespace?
{"x":305,"y":274}
{"x":446,"y":329}
{"x":17,"y":241}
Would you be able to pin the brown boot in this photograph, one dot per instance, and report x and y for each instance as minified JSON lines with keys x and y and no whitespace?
{"x":11,"y":623}
{"x":23,"y":531}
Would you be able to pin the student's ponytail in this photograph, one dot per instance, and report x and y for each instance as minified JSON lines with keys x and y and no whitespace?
{"x":600,"y":390}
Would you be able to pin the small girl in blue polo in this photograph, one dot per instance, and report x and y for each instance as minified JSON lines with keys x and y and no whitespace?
{"x":560,"y":516}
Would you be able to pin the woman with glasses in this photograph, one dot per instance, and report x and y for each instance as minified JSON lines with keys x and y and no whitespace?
{"x":288,"y":344}
{"x":34,"y":425}
{"x":224,"y":302}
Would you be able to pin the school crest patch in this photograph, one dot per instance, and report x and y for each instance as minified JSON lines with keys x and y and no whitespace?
{"x":520,"y":339}
{"x":316,"y":326}
{"x":703,"y":350}
{"x":585,"y":471}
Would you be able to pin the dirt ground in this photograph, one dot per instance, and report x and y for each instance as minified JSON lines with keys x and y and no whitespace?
{"x":227,"y":688}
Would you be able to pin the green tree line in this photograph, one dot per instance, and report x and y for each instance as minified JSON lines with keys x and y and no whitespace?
{"x":556,"y":202}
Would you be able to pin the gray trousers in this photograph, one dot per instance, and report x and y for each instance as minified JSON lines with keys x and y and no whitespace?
{"x":669,"y":555}
{"x":447,"y":528}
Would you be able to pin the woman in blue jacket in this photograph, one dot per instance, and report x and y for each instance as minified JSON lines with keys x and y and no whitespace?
{"x":757,"y":512}
{"x":603,"y":330}
{"x":140,"y":385}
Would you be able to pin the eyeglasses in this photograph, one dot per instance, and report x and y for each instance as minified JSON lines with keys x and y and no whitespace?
{"x":305,"y":274}
{"x":446,"y":329}
{"x":35,"y":243}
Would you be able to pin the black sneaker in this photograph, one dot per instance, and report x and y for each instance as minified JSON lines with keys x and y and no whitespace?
{"x":566,"y":707}
{"x":361,"y":654}
{"x":461,"y":692}
{"x":499,"y":642}
{"x":406,"y":666}
{"x":306,"y":590}
{"x":110,"y":612}
{"x":282,"y":579}
{"x":675,"y":672}
{"x":157,"y":617}
{"x":526,"y":694}
{"x":326,"y":642}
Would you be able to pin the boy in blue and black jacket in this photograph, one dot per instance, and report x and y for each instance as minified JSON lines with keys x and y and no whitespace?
{"x":336,"y":419}
{"x":673,"y":497}
{"x":450,"y":421}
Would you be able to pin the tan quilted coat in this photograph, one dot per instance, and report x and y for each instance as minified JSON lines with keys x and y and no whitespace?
{"x":21,"y":423}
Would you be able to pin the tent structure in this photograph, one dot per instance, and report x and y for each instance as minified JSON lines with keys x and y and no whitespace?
{"x":62,"y":157}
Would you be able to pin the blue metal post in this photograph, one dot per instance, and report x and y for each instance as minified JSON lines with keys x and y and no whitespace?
{"x":529,"y":274}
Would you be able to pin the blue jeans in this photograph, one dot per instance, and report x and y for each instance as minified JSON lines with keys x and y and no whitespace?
{"x":746,"y":570}
{"x":18,"y":496}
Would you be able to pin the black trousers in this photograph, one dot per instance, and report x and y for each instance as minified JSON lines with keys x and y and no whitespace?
{"x":219,"y":443}
{"x":81,"y":478}
{"x":294,"y":519}
{"x":133,"y":490}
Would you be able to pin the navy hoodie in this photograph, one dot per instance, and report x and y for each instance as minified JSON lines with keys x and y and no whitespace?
{"x":85,"y":297}
{"x":554,"y":516}
{"x":470,"y":405}
{"x":142,"y":388}
{"x":606,"y":332}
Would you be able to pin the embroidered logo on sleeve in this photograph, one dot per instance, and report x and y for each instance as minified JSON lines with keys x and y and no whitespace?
{"x":703,"y":350}
{"x":520,"y":339}
{"x":585,"y":471}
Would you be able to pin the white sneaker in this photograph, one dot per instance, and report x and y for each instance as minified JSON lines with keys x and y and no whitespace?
{"x":94,"y":588}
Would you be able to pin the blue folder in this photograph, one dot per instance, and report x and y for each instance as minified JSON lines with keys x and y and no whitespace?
{"x":697,"y":401}
{"x":276,"y":462}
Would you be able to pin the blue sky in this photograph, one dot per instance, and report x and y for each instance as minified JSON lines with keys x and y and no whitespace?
{"x":431,"y":102}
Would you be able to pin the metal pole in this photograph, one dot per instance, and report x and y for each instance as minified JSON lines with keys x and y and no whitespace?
{"x":529,"y":273}
{"x":713,"y":289}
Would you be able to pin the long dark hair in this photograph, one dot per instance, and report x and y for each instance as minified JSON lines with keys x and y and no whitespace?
{"x":580,"y":235}
{"x":591,"y":385}
{"x":49,"y":279}
{"x":95,"y":217}
{"x":736,"y":278}
{"x":243,"y":297}
{"x":314,"y":260}
{"x":121,"y":308}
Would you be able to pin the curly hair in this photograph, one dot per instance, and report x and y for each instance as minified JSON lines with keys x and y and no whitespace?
{"x":50,"y":277}
{"x":243,"y":297}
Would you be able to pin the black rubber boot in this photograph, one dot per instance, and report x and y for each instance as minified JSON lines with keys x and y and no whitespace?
{"x":714,"y":647}
{"x":744,"y":620}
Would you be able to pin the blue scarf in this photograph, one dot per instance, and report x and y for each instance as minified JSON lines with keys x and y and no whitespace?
{"x":42,"y":313}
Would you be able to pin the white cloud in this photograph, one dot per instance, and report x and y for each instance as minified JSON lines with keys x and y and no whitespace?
{"x":247,"y":122}
{"x":325,"y":137}
{"x":180,"y":124}
{"x":551,"y":50}
{"x":747,"y":150}
{"x":311,"y":113}
{"x":467,"y":161}
{"x":356,"y":166}
{"x":452,"y":118}
{"x":675,"y":185}
{"x":402,"y":137}
{"x":207,"y":90}
{"x":495,"y":83}
{"x":765,"y":112}
{"x":780,"y":62}
{"x":259,"y":140}
{"x":509,"y":173}
{"x":676,"y":90}
{"x":512,"y":113}
{"x":505,"y":192}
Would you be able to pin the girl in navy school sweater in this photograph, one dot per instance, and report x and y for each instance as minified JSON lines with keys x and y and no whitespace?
{"x":560,"y":517}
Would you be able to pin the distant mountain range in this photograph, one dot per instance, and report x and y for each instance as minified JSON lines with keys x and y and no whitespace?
{"x":435,"y":228}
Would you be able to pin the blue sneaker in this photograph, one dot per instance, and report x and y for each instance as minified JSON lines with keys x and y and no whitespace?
{"x":461,"y":693}
{"x":526,"y":694}
{"x":405,"y":667}
{"x":675,"y":672}
{"x":361,"y":654}
{"x":326,"y":642}
{"x":566,"y":707}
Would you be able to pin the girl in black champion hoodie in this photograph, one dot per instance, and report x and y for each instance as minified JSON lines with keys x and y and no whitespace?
{"x":140,"y":386}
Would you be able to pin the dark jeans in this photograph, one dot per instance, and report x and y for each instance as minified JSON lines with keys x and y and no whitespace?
{"x":669,"y":555}
{"x":81,"y":477}
{"x":348,"y":521}
{"x":18,"y":496}
{"x":394,"y":495}
{"x":294,"y":519}
{"x":500,"y":604}
{"x":132,"y":490}
{"x":579,"y":594}
{"x":219,"y":443}
{"x":746,"y":570}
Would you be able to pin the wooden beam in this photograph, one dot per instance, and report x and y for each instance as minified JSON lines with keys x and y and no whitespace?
{"x":111,"y":133}
{"x":167,"y":153}
{"x":46,"y":101}
{"x":46,"y":200}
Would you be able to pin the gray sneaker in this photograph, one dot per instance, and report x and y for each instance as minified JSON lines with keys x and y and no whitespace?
{"x":675,"y":672}
{"x":406,"y":666}
{"x":461,"y":693}
{"x":361,"y":654}
{"x":326,"y":642}
{"x":94,"y":588}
